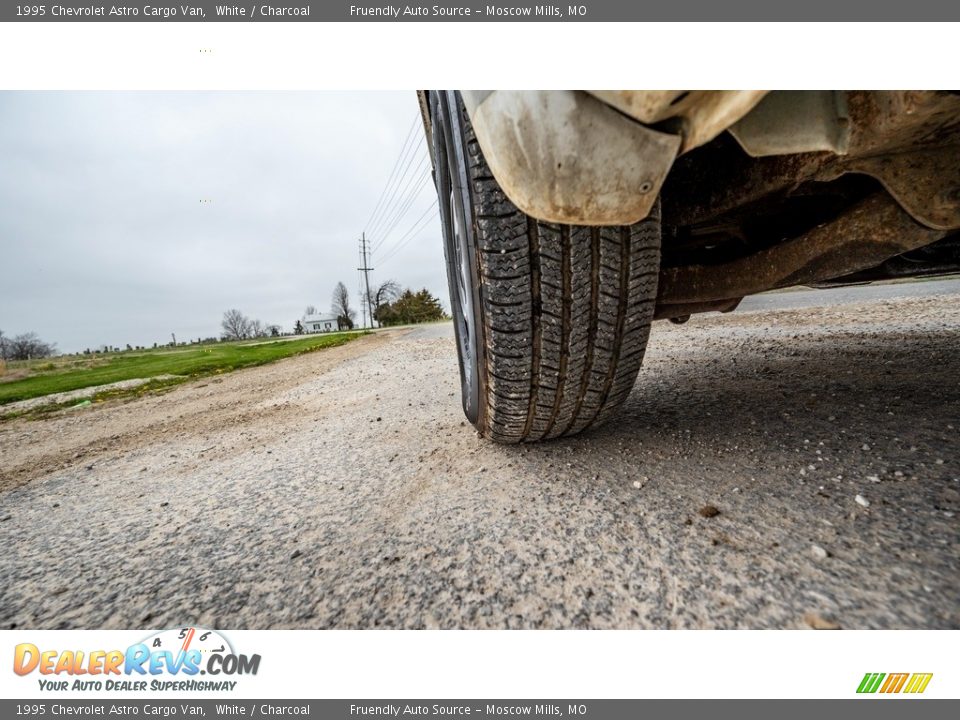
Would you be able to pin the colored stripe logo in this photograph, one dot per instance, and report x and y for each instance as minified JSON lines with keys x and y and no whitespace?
{"x":913,"y":683}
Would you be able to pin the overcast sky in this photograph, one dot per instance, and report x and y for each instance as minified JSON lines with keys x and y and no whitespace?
{"x":104,"y":238}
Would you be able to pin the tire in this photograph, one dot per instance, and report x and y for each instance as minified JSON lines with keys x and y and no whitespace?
{"x":551,"y":321}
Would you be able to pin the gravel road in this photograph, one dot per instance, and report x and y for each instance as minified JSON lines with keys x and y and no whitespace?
{"x":790,"y":468}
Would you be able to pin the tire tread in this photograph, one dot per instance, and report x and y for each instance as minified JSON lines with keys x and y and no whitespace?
{"x":566,"y":313}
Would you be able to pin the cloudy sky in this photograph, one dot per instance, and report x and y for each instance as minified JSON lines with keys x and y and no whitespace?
{"x":127,"y":216}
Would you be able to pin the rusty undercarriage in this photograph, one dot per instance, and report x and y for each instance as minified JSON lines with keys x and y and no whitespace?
{"x":759,"y":190}
{"x":883,"y":202}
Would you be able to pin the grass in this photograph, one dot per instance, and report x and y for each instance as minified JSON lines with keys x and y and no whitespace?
{"x":32,"y":379}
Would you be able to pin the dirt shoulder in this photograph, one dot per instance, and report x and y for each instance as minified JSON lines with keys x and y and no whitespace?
{"x":199,"y":410}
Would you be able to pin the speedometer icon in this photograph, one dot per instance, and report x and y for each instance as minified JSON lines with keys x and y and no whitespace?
{"x":182,"y":639}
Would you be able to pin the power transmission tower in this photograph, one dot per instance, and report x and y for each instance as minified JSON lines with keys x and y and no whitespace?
{"x":366,"y":275}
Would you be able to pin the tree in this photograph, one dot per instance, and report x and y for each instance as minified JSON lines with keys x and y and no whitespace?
{"x":256,"y":329}
{"x":298,"y":328}
{"x":236,"y":325}
{"x":341,"y":307}
{"x":274,"y":330}
{"x":310,"y":310}
{"x":386,"y":293}
{"x":27,"y":346}
{"x":3,"y":346}
{"x":410,"y":308}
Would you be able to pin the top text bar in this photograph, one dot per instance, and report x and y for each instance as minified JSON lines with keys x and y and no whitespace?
{"x":465,"y":11}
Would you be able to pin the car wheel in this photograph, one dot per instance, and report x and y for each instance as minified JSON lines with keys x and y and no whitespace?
{"x":551,"y":321}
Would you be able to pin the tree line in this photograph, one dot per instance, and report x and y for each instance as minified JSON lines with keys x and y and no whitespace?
{"x":237,"y":326}
{"x":407,"y":308}
{"x":389,"y":304}
{"x":26,"y":346}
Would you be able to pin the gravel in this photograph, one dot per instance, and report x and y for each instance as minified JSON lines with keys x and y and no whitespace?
{"x":290,"y":506}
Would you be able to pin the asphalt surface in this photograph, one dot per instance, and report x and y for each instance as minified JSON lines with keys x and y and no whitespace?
{"x":775,"y":468}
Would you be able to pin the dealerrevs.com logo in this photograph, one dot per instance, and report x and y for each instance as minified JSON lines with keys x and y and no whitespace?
{"x":889,"y":683}
{"x":169,"y":660}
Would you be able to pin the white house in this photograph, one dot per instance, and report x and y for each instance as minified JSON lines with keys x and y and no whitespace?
{"x":319,"y":323}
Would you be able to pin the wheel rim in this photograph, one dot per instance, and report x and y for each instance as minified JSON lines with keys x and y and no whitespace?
{"x":453,"y":191}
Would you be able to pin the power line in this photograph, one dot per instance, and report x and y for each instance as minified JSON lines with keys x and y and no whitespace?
{"x":395,"y":199}
{"x":411,"y":239}
{"x":403,"y":161}
{"x":419,"y":226}
{"x":402,"y":210}
{"x":433,"y":206}
{"x":398,"y":196}
{"x":396,"y":164}
{"x":410,"y":191}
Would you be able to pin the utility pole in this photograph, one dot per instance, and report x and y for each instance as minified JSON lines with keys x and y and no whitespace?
{"x":366,"y":274}
{"x":363,"y":305}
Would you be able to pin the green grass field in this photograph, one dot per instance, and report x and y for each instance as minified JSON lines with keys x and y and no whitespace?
{"x":37,"y":378}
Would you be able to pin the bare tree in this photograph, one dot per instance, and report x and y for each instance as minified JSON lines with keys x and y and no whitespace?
{"x":311,"y":310}
{"x":3,"y":346}
{"x":236,"y":325}
{"x":257,"y":329}
{"x":27,"y":346}
{"x":341,"y":307}
{"x":384,"y":294}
